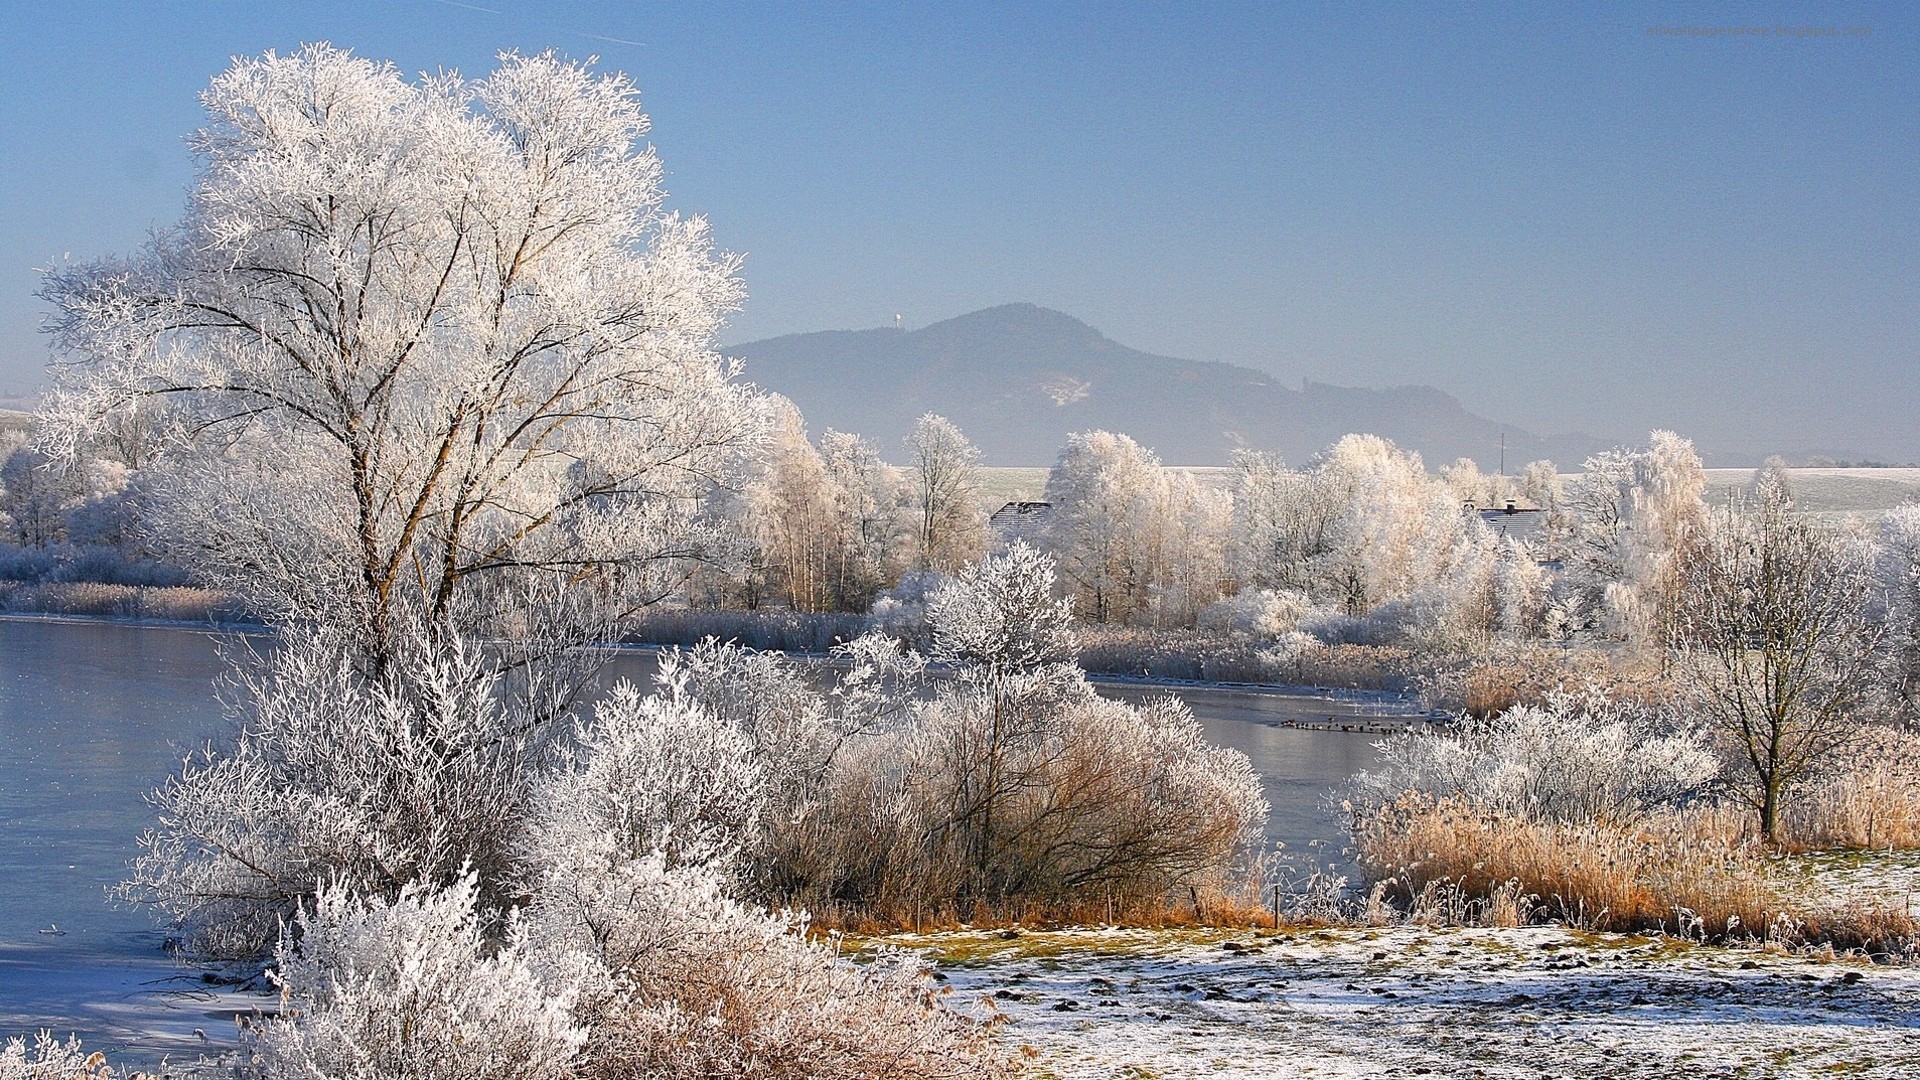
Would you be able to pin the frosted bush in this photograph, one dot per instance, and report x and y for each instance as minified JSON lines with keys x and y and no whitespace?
{"x":901,"y":612}
{"x":971,"y":801}
{"x":376,"y":780}
{"x":695,"y":983}
{"x":651,"y":774}
{"x":48,"y":1058}
{"x":415,"y":987}
{"x":1261,"y":613}
{"x":1570,"y":759}
{"x":682,"y":978}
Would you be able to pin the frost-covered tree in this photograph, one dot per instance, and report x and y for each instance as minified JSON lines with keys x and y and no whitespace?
{"x":1776,"y":640}
{"x":942,"y":469}
{"x":32,"y":500}
{"x":1468,"y":484}
{"x":793,"y":514}
{"x":1385,"y":550}
{"x":824,"y":519}
{"x":412,"y":338}
{"x":1104,"y":529}
{"x":1137,"y":542}
{"x":866,"y":494}
{"x":1636,"y":516}
{"x":1898,"y":569}
{"x":1282,"y":522}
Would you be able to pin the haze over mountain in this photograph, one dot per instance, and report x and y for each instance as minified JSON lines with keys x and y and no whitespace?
{"x":1018,"y":378}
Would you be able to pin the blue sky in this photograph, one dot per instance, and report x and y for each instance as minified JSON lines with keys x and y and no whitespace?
{"x":1564,"y":220}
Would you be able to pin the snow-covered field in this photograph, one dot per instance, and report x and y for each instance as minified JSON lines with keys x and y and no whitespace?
{"x":1416,"y":1001}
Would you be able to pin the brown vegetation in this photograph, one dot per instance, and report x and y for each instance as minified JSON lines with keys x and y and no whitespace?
{"x":1867,"y":797}
{"x":91,"y":599}
{"x":1203,"y":656}
{"x":1691,"y":871}
{"x":1486,"y":686}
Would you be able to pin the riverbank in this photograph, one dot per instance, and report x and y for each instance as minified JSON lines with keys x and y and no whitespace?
{"x":1409,"y":1001}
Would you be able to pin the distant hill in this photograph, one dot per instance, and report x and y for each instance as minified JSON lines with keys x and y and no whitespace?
{"x":1019,"y":378}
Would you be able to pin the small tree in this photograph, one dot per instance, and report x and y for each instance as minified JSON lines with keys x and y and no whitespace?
{"x":1775,"y":641}
{"x":942,"y":469}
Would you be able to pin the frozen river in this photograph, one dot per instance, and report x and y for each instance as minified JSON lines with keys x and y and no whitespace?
{"x":93,"y":715}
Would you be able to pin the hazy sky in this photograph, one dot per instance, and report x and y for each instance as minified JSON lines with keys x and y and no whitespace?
{"x":1572,"y":221}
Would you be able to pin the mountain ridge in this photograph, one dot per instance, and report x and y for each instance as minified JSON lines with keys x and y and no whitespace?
{"x":1018,"y":378}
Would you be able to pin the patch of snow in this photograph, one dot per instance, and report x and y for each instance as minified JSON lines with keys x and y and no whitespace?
{"x":1421,"y":1001}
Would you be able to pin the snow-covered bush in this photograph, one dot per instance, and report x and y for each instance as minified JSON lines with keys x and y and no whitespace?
{"x":48,"y":1058}
{"x":378,"y":780}
{"x":654,"y":774}
{"x":1261,"y":613}
{"x":692,"y":982}
{"x":1569,"y":759}
{"x":416,"y":987}
{"x":999,"y":616}
{"x":972,"y":801}
{"x":901,"y":612}
{"x":684,"y":978}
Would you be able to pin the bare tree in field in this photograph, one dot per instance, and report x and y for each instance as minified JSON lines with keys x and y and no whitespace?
{"x":412,"y":338}
{"x":942,"y":470}
{"x":1776,"y":641}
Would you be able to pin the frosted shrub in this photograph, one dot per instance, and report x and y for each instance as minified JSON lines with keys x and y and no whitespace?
{"x":372,"y":989}
{"x":1568,"y":759}
{"x":684,"y":979}
{"x":1088,"y":797}
{"x":378,"y":781}
{"x":1261,"y":613}
{"x":48,"y":1058}
{"x":650,"y":774}
{"x":694,"y":983}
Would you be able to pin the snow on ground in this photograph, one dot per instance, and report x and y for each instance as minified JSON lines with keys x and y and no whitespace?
{"x":1414,"y":1001}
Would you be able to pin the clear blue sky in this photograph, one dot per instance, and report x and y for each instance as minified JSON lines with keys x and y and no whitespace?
{"x":1562,"y":219}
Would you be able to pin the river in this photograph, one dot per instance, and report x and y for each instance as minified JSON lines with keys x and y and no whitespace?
{"x":95,"y":714}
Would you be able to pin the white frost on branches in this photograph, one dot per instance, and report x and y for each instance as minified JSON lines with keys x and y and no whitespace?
{"x":412,"y":336}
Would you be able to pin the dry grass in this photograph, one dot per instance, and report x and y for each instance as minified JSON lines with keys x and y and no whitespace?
{"x":1490,"y":685}
{"x":1691,"y":872}
{"x":94,"y":600}
{"x":766,"y":630}
{"x":1215,"y":906}
{"x":1205,"y":656}
{"x":1867,"y":797}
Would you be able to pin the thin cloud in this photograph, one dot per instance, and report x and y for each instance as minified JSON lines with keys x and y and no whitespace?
{"x":470,"y":7}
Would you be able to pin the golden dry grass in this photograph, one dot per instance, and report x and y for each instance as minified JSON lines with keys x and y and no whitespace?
{"x":1692,"y":872}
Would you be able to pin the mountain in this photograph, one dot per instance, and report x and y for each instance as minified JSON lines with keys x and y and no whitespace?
{"x":1019,"y":378}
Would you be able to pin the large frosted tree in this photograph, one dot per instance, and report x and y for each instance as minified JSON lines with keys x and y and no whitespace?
{"x":412,"y":338}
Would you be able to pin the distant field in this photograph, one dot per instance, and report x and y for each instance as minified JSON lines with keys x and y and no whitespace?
{"x":11,"y":420}
{"x":1869,"y":492}
{"x":1001,"y":486}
